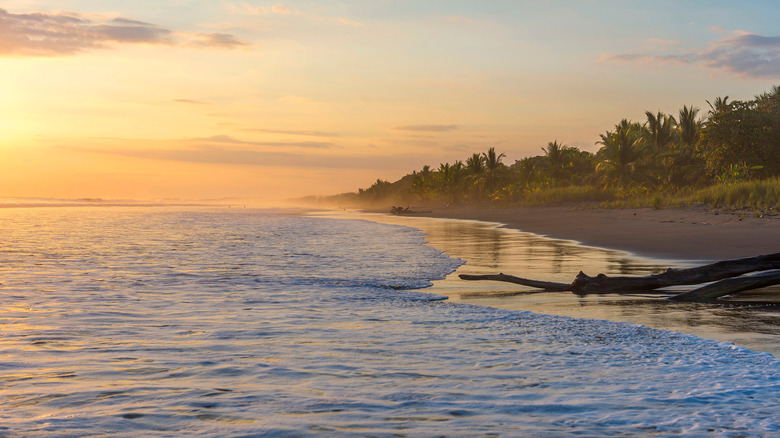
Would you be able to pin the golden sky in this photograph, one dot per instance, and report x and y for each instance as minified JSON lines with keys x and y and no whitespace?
{"x":266,"y":100}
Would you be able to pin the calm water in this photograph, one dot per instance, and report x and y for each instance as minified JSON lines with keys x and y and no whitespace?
{"x":166,"y":322}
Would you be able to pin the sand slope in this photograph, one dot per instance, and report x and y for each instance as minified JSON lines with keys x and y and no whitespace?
{"x":695,"y":233}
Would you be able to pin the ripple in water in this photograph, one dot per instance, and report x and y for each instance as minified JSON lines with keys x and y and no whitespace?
{"x":233,"y":323}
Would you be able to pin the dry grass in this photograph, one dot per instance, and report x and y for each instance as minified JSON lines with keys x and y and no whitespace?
{"x":758,"y":195}
{"x":569,"y":194}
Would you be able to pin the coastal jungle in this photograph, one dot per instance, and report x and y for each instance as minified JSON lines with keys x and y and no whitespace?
{"x":726,"y":157}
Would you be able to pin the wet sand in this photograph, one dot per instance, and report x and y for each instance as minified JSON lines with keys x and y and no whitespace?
{"x":489,"y":248}
{"x":691,"y":233}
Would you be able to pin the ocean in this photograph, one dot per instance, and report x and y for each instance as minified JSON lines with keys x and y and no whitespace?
{"x":153,"y":321}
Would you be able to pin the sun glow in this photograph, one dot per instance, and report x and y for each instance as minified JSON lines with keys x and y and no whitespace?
{"x":139,"y":102}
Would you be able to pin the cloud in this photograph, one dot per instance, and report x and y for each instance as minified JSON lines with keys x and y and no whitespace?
{"x":427,"y":128}
{"x":219,"y":40}
{"x":305,"y":133}
{"x":221,"y":155}
{"x":650,"y":59}
{"x":226,"y":139}
{"x":40,"y":34}
{"x":194,"y":102}
{"x":280,"y":9}
{"x":744,"y":54}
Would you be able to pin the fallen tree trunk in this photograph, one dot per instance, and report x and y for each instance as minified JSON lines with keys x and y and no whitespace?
{"x":729,"y":286}
{"x":715,"y":272}
{"x":544,"y":285}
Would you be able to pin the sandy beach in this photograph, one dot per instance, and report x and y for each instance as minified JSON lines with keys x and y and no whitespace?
{"x":691,"y":233}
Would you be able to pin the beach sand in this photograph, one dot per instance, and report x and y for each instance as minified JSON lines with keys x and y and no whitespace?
{"x":614,"y":242}
{"x":692,"y":233}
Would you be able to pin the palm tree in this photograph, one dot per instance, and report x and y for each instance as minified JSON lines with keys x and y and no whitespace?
{"x":661,"y":129}
{"x":443,"y":181}
{"x":445,"y":173}
{"x":421,"y":183}
{"x":689,"y":127}
{"x":527,"y":168}
{"x":458,"y":171}
{"x":685,"y":169}
{"x":557,"y":159}
{"x":622,"y":149}
{"x":720,"y":104}
{"x":475,"y":169}
{"x":458,"y":167}
{"x":772,"y":93}
{"x":492,"y":164}
{"x":475,"y":164}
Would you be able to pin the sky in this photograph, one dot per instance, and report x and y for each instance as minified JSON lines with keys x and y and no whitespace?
{"x":267,"y":100}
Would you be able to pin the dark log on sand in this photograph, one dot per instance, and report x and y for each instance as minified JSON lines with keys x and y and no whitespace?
{"x":729,"y":286}
{"x":544,"y":285}
{"x":723,"y":273}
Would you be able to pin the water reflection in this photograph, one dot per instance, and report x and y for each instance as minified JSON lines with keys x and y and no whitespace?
{"x":489,"y":249}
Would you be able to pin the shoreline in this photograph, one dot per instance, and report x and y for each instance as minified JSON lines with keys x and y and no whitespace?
{"x":474,"y":235}
{"x":686,"y":233}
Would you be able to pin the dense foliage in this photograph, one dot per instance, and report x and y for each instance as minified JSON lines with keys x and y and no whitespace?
{"x":734,"y":142}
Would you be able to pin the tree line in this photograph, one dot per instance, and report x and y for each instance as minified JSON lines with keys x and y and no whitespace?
{"x":733,"y":141}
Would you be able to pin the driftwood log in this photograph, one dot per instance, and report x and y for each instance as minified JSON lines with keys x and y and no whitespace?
{"x":725,"y":278}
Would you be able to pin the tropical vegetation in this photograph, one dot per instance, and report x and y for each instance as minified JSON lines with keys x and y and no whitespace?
{"x":728,"y":156}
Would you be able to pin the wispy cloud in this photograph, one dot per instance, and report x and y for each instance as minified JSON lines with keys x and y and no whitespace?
{"x":279,"y":9}
{"x":225,"y":155}
{"x":219,"y":40}
{"x":304,"y":133}
{"x":744,"y":54}
{"x":42,"y":34}
{"x":646,"y":58}
{"x":193,"y":102}
{"x":226,"y":139}
{"x":427,"y":128}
